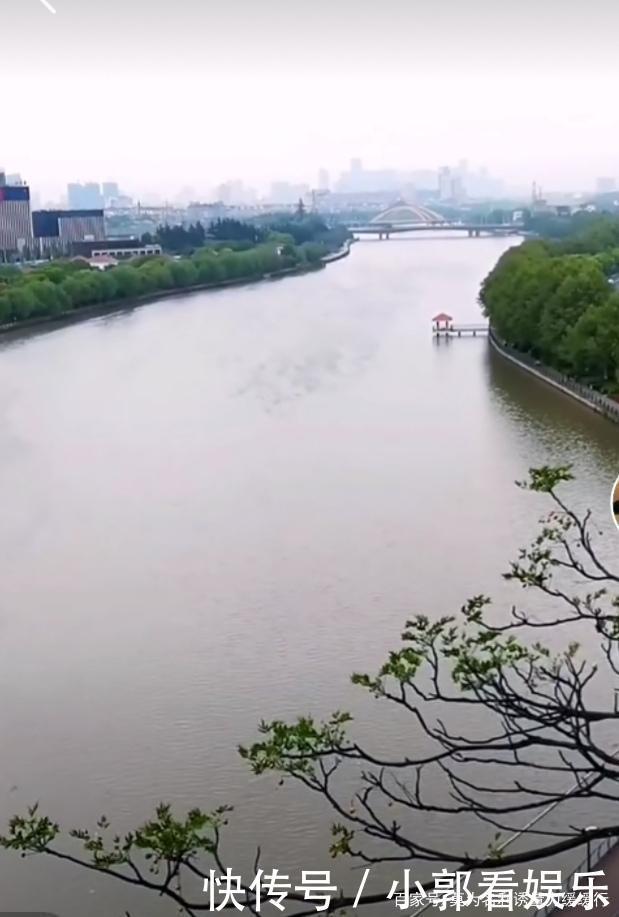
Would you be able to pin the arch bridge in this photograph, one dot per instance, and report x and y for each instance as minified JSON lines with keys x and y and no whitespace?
{"x":404,"y":217}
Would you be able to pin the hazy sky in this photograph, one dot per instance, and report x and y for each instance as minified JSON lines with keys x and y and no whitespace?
{"x":158,"y":94}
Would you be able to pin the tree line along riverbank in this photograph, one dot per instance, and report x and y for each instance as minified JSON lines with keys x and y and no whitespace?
{"x":65,"y":287}
{"x":557,"y":301}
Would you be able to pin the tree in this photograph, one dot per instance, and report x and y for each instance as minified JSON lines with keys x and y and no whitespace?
{"x":229,"y":230}
{"x":591,"y":347}
{"x":155,"y":277}
{"x":8,"y":274}
{"x":516,"y":291}
{"x":21,"y":303}
{"x":209,"y":268}
{"x":303,"y":228}
{"x":579,"y":282}
{"x":184,"y":273}
{"x":128,"y":281}
{"x":538,"y":293}
{"x":51,"y":299}
{"x":64,"y":285}
{"x":181,"y":238}
{"x":300,"y":211}
{"x":498,"y":215}
{"x":313,"y":252}
{"x":549,"y":728}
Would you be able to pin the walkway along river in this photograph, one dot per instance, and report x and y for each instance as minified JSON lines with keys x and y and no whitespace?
{"x":217,"y":507}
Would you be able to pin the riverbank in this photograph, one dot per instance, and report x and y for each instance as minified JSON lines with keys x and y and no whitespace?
{"x":558,"y":302}
{"x":72,"y":316}
{"x":583,"y":393}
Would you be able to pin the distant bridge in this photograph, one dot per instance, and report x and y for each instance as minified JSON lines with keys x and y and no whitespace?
{"x":401,"y":212}
{"x":403,"y":217}
{"x":385,"y":230}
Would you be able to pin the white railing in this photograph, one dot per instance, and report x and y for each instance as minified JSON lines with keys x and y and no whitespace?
{"x":596,"y":400}
{"x":595,"y":854}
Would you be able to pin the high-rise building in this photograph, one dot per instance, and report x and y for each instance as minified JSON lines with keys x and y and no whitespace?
{"x":15,"y":218}
{"x":323,"y":180}
{"x":235,"y":192}
{"x":223,"y":193}
{"x":84,"y":196}
{"x":444,"y":183}
{"x":605,"y":184}
{"x":458,"y":192}
{"x":56,"y":230}
{"x":358,"y":179}
{"x":110,"y":190}
{"x":284,"y":192}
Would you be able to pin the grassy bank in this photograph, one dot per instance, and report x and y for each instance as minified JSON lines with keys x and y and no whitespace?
{"x":14,"y":284}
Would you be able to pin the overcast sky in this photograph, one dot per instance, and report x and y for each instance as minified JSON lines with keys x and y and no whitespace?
{"x":160,"y":94}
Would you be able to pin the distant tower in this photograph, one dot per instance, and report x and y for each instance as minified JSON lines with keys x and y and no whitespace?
{"x":15,"y":219}
{"x":444,"y":183}
{"x":323,"y":180}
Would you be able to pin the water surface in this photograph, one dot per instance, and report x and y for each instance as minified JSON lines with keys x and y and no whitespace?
{"x":218,"y":506}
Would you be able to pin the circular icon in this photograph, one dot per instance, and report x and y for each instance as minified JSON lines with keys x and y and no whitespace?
{"x":614,"y":502}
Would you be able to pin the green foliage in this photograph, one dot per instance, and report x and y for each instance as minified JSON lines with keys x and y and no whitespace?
{"x":128,"y":281}
{"x":162,"y":840}
{"x":179,"y":239}
{"x":546,"y":478}
{"x":305,"y":227}
{"x":554,"y":301}
{"x":62,"y":286}
{"x":591,"y":346}
{"x":578,"y":232}
{"x":228,"y":230}
{"x":184,"y":273}
{"x":477,"y":655}
{"x":313,"y":251}
{"x":21,"y":303}
{"x":239,"y":235}
{"x":30,"y":833}
{"x":293,"y":748}
{"x":8,"y":274}
{"x":51,"y":298}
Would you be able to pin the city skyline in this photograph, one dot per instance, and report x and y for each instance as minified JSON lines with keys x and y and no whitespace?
{"x":458,"y":182}
{"x":148,"y":94}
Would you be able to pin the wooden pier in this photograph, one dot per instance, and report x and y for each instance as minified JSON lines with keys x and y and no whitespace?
{"x":443,"y":325}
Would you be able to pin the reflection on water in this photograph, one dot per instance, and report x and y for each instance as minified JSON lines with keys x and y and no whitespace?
{"x":217,"y":506}
{"x":564,"y":429}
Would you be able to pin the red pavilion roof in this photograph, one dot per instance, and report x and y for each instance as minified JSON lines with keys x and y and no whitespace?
{"x":443,"y":317}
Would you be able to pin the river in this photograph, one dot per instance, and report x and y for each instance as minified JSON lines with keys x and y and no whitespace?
{"x":218,"y":506}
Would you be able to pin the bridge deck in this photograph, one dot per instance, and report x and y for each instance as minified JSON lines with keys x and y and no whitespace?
{"x":471,"y":228}
{"x":457,"y":330}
